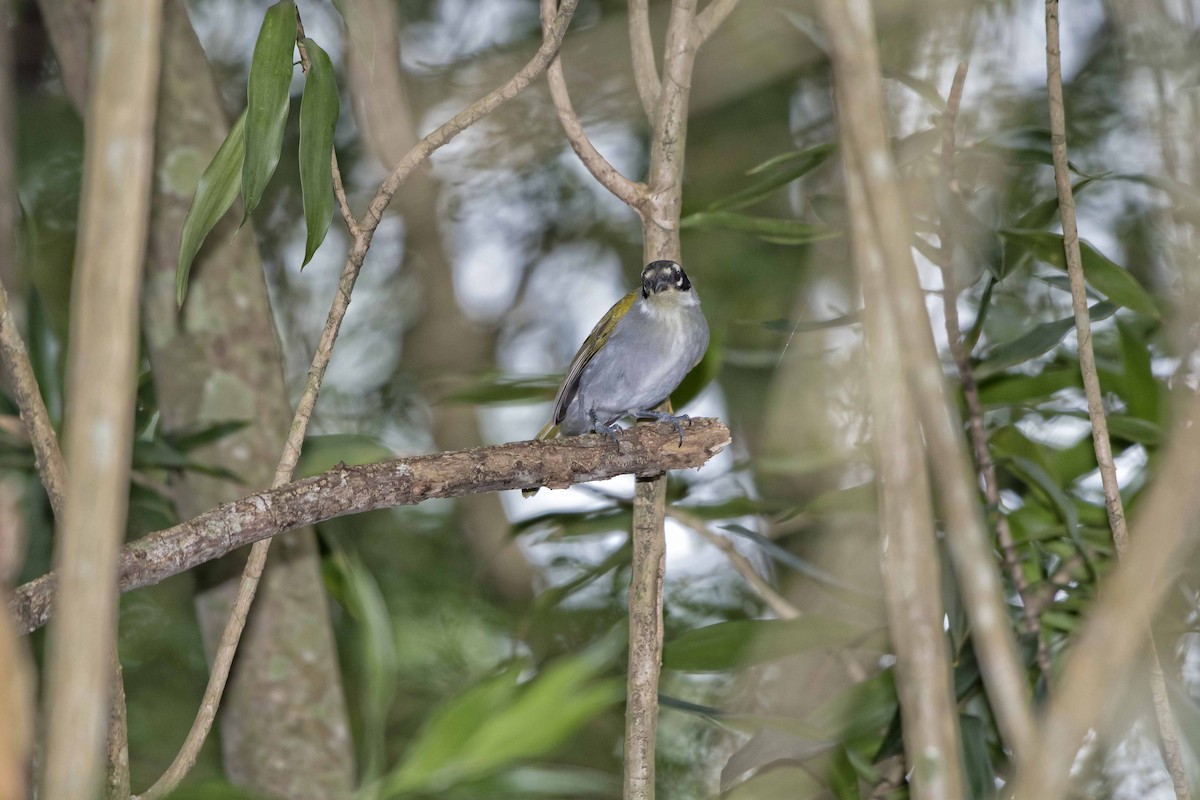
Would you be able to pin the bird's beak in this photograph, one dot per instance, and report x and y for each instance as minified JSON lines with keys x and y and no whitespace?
{"x":662,"y":282}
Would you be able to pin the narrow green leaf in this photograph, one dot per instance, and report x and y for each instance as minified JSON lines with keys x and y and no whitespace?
{"x":1044,"y":213}
{"x":1111,"y":280}
{"x":727,"y":645}
{"x":981,"y":776}
{"x":219,"y":185}
{"x":794,"y":167}
{"x":1007,"y":389}
{"x":267,"y":100}
{"x":1037,"y":342}
{"x":777,"y":231}
{"x":360,"y":22}
{"x":1139,"y":388}
{"x":319,"y":109}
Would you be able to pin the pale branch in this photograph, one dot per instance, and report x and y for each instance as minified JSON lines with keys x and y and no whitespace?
{"x":643,"y":450}
{"x":645,"y":69}
{"x":852,"y":37}
{"x":51,"y":468}
{"x":102,"y":357}
{"x":910,"y":567}
{"x":761,"y":587}
{"x":708,"y":20}
{"x":628,"y":191}
{"x":1167,"y":729}
{"x":645,"y":603}
{"x":256,"y":561}
{"x":970,"y":388}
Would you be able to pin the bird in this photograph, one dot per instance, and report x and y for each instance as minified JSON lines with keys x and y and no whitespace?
{"x":637,"y":354}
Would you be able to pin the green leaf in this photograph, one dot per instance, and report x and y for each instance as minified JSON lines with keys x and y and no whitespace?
{"x":319,"y":109}
{"x":1139,"y":388}
{"x":267,"y":100}
{"x":219,"y":185}
{"x":498,"y":722}
{"x":1044,"y":213}
{"x":794,"y":166}
{"x":777,"y":231}
{"x":1111,"y":280}
{"x":727,"y":645}
{"x":977,"y":762}
{"x":787,"y":557}
{"x":1037,"y":342}
{"x":360,"y":22}
{"x":323,"y":453}
{"x":1008,"y":389}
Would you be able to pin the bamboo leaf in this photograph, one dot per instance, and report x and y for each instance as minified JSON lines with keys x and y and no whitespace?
{"x":267,"y":100}
{"x":792,"y":166}
{"x":319,"y":109}
{"x":219,"y":185}
{"x":727,"y":645}
{"x":1037,"y":342}
{"x":1111,"y":280}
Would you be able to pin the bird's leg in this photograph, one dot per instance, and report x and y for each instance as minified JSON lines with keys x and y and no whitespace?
{"x":605,"y":429}
{"x":674,"y":421}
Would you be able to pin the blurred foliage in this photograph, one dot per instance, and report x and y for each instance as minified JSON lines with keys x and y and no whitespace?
{"x":457,"y":693}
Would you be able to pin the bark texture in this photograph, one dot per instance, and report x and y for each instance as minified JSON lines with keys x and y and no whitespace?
{"x":284,"y":730}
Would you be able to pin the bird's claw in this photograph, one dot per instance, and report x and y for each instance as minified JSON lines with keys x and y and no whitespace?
{"x":674,"y":421}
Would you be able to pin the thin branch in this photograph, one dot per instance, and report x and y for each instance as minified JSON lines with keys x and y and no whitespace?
{"x":708,"y":20}
{"x":116,"y":742}
{"x":557,"y":463}
{"x":970,"y":389}
{"x":101,"y":376}
{"x":256,"y":561}
{"x":1168,"y":733}
{"x":339,"y":191}
{"x":645,"y":68}
{"x":851,"y":32}
{"x":50,"y":466}
{"x":774,"y":600}
{"x":630,"y":192}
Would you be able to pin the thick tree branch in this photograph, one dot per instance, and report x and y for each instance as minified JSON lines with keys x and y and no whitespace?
{"x":557,"y":463}
{"x":256,"y":561}
{"x":630,"y":192}
{"x":1168,"y":733}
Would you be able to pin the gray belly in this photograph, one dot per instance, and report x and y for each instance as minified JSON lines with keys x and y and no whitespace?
{"x":638,"y":369}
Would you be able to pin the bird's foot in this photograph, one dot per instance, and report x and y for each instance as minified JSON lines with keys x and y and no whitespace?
{"x":606,"y":429}
{"x":674,"y":421}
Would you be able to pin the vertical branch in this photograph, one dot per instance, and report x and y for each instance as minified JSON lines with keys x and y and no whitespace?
{"x":909,"y":550}
{"x":645,"y":70}
{"x":1172,"y":754}
{"x":970,"y":389}
{"x":851,"y":29}
{"x":645,"y":635}
{"x":102,"y":360}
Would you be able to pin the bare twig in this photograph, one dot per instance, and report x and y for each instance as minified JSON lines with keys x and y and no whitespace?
{"x":645,"y":636}
{"x":631,"y":192}
{"x":256,"y":561}
{"x":116,"y":743}
{"x":50,"y":466}
{"x":561,"y":462}
{"x":970,"y":389}
{"x":102,"y":365}
{"x":645,"y":69}
{"x":1172,"y":755}
{"x":708,"y":20}
{"x":774,"y":600}
{"x":851,"y":30}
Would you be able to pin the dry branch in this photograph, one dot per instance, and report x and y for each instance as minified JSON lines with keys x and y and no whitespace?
{"x":644,"y":450}
{"x":1168,"y":733}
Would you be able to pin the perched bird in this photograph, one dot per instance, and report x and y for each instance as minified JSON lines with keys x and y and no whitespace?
{"x":634,"y":358}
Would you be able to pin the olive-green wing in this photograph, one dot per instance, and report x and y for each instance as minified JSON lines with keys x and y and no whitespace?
{"x":589,"y":348}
